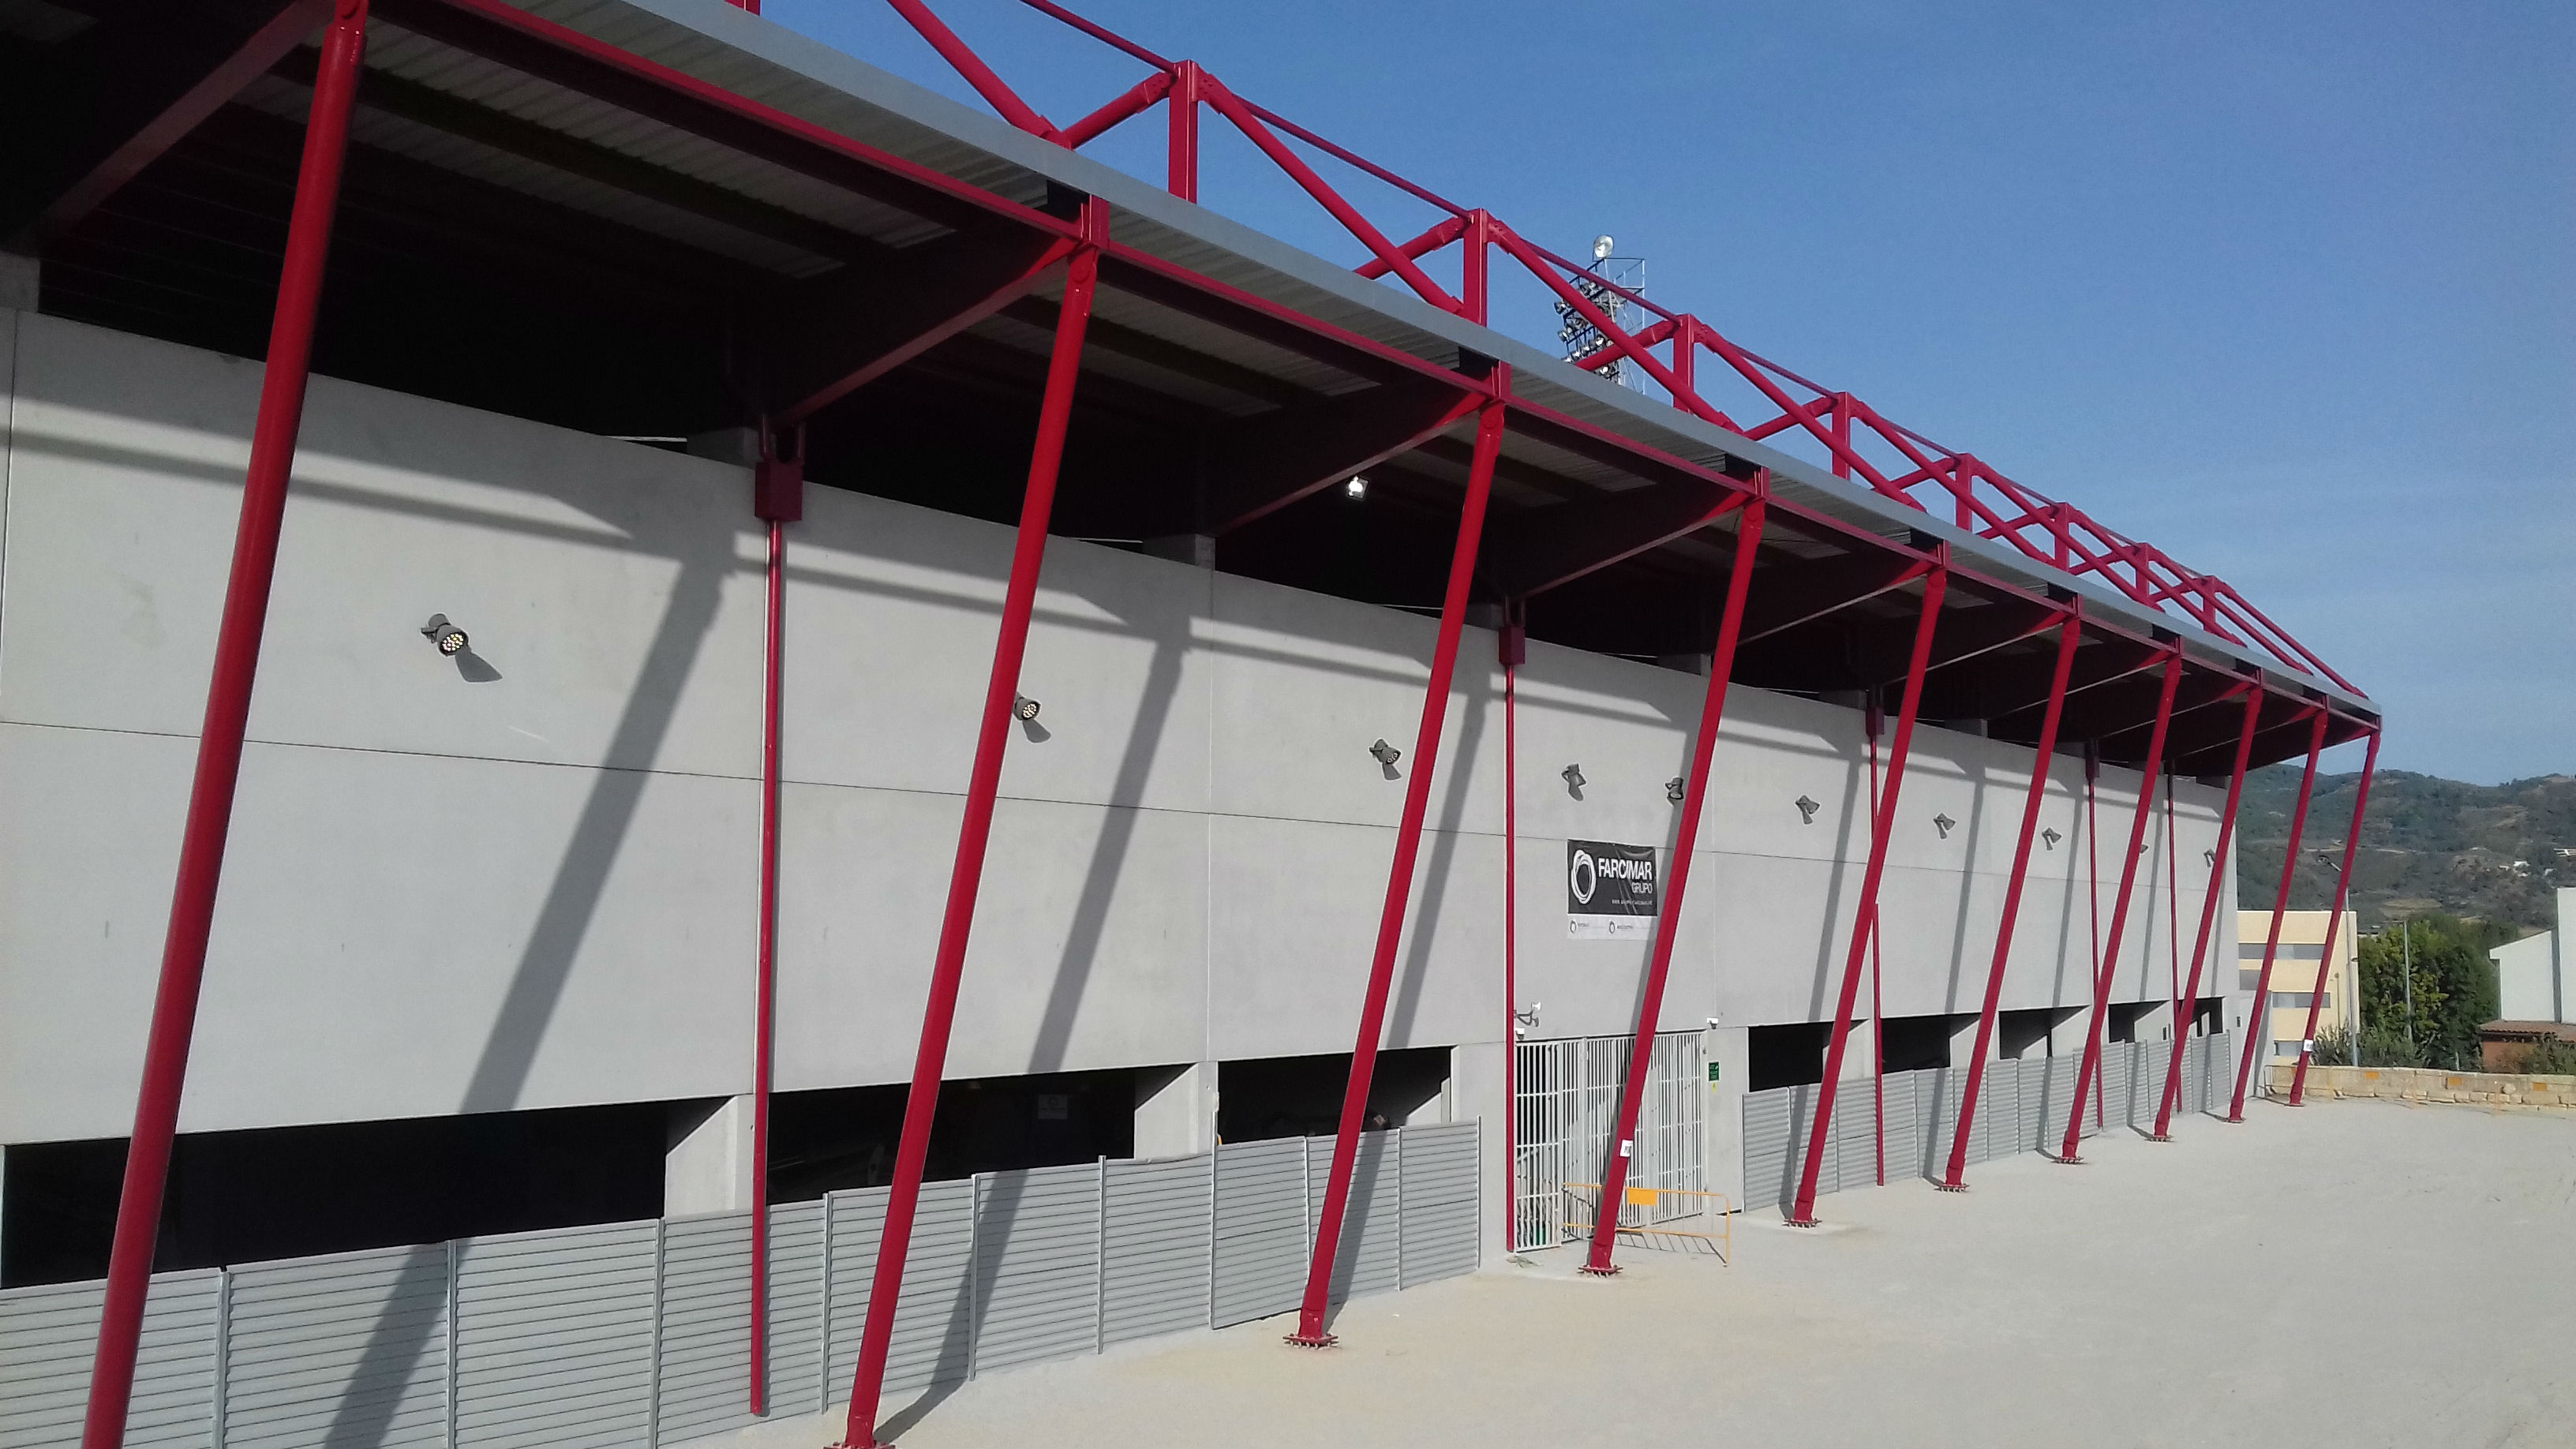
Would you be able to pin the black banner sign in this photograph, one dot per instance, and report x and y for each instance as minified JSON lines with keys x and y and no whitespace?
{"x":1609,"y":890}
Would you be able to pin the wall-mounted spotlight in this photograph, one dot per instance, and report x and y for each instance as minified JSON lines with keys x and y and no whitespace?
{"x":1356,"y":489}
{"x":1676,"y":789}
{"x":1944,"y":824}
{"x":1807,"y":810}
{"x":2209,"y":857}
{"x":1025,"y":708}
{"x":2324,"y":857}
{"x":1525,"y":1020}
{"x":2051,"y":836}
{"x":1573,"y":777}
{"x":1385,"y":754}
{"x":450,"y":640}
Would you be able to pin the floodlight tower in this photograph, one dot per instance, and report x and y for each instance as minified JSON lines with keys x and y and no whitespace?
{"x":1580,"y":338}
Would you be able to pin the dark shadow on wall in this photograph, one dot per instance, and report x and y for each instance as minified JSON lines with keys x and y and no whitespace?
{"x":581,"y":874}
{"x":1431,"y":880}
{"x":1118,"y":820}
{"x":1855,"y":798}
{"x":1980,"y":791}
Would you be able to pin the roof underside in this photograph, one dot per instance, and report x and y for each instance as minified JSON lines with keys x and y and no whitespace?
{"x":527,"y":229}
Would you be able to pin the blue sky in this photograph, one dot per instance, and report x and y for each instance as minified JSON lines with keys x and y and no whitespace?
{"x":2287,"y":290}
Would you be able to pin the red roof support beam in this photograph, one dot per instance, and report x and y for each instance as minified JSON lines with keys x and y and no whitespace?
{"x":1807,"y":592}
{"x":1802,"y":1212}
{"x":2043,"y":755}
{"x":2110,"y":967}
{"x":2220,"y":863}
{"x":2334,"y":920}
{"x":2258,"y":1023}
{"x":1263,"y":464}
{"x":117,"y":96}
{"x":838,"y":333}
{"x":1399,"y":883}
{"x":957,"y":923}
{"x":558,"y":54}
{"x":1545,"y":547}
{"x":219,"y":743}
{"x":1650,"y":1006}
{"x":962,"y":57}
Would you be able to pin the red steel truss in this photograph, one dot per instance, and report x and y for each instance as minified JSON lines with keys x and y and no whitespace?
{"x":2093,"y":1035}
{"x":2043,"y":755}
{"x":2334,"y":921}
{"x":1908,"y":467}
{"x":2258,"y":1026}
{"x":1865,"y":914}
{"x":2219,"y":864}
{"x":1650,"y":1008}
{"x":1889,"y":459}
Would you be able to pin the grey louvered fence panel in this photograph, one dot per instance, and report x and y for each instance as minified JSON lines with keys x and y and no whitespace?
{"x":344,"y":1350}
{"x":934,"y":1317}
{"x":48,"y":1335}
{"x":1767,"y":1145}
{"x":554,"y":1338}
{"x":704,"y":1386}
{"x":1440,"y":1194}
{"x":1261,"y":1227}
{"x":1037,"y":1265}
{"x":1856,"y":1135}
{"x":1372,"y":1217}
{"x":795,"y":1308}
{"x":1904,"y":1134}
{"x":1157,"y":1268}
{"x":2056,"y":1082}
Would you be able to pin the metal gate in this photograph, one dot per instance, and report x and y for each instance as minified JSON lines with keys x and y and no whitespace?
{"x":1566,"y":1108}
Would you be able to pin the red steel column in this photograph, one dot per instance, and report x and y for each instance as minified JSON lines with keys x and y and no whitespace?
{"x":778,"y":497}
{"x":1803,"y":1211}
{"x":219,"y":743}
{"x":1399,"y":882}
{"x":2258,"y":1023}
{"x":2043,"y":755}
{"x":2325,"y":961}
{"x":1877,"y":1006}
{"x":1513,"y":646}
{"x":1181,"y":108}
{"x":2110,"y":967}
{"x":2219,"y":864}
{"x":1712,"y":712}
{"x":1019,"y":599}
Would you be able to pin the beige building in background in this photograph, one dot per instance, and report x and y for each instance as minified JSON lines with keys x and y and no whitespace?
{"x":2296,"y":968}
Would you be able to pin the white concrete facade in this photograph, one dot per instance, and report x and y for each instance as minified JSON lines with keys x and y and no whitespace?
{"x":2531,"y":974}
{"x":527,"y":878}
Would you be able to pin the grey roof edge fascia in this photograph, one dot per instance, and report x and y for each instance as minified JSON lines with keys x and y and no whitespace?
{"x":1546,"y":379}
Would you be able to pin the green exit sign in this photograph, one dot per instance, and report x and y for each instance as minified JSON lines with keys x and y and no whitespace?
{"x":1712,"y":1071}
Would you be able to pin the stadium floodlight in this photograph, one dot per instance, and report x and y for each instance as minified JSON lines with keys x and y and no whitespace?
{"x":1355,"y":489}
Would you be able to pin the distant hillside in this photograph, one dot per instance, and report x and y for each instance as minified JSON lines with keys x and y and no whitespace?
{"x":2493,"y":852}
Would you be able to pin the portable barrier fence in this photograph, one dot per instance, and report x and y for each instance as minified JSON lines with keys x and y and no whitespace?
{"x":2021,"y":1107}
{"x":640,"y":1333}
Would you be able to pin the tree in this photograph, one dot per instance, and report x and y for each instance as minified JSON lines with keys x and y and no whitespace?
{"x":2455,"y":989}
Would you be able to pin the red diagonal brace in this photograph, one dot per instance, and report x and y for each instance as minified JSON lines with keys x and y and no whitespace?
{"x":1802,"y":1213}
{"x":2334,"y":919}
{"x":893,"y":357}
{"x":1399,"y":882}
{"x":219,"y":744}
{"x":2258,"y":1022}
{"x":1712,"y":713}
{"x":2043,"y":754}
{"x":2220,"y":862}
{"x":2094,"y":1032}
{"x":1019,"y":599}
